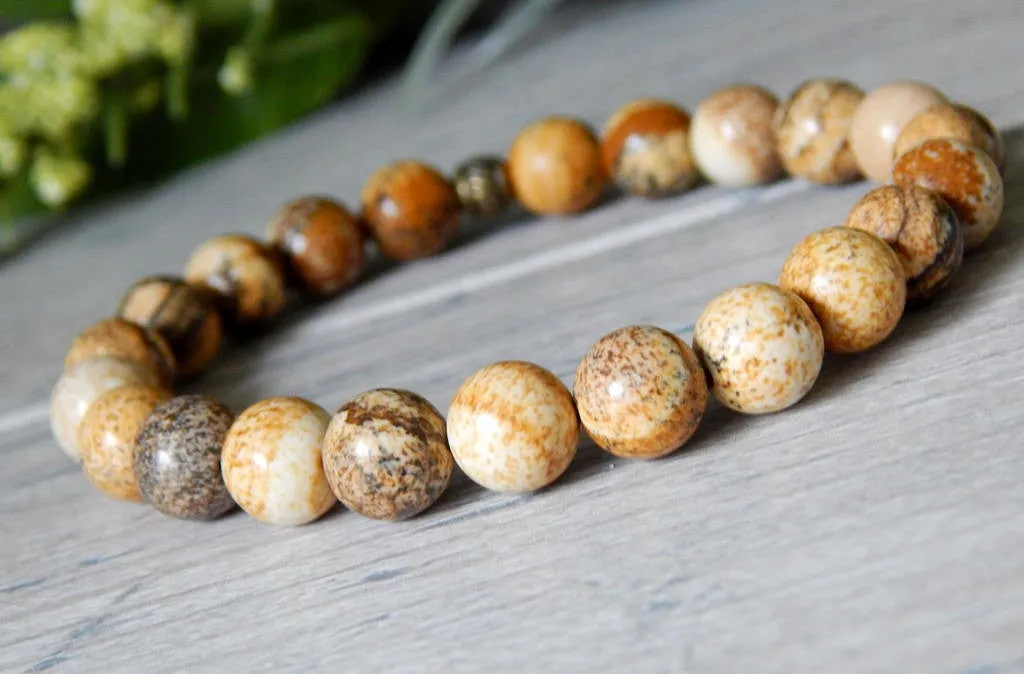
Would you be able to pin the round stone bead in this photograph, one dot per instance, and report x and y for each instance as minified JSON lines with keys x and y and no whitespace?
{"x":177,"y":458}
{"x":641,"y":392}
{"x":812,"y":131}
{"x":761,"y":346}
{"x":322,"y":244}
{"x":411,"y":210}
{"x":880,"y":119}
{"x":958,"y":122}
{"x":76,"y":391}
{"x":184,"y":316}
{"x":386,"y":455}
{"x":854,"y":283}
{"x":244,"y":276}
{"x":555,"y":167}
{"x":107,"y":437}
{"x":923,"y":230}
{"x":646,"y":149}
{"x":732,"y":138}
{"x":119,"y":338}
{"x":964,"y":175}
{"x":513,"y":427}
{"x":271,"y":461}
{"x":482,"y":185}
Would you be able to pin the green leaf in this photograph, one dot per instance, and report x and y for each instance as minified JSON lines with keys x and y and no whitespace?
{"x":32,"y":10}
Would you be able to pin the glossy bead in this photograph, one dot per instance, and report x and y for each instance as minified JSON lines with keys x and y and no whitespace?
{"x":411,"y":210}
{"x":271,"y":461}
{"x":853,"y":282}
{"x":322,"y":244}
{"x":641,"y":392}
{"x":958,"y":122}
{"x":963,"y":175}
{"x":923,"y":230}
{"x":646,"y":149}
{"x":812,"y":131}
{"x":482,"y":185}
{"x":177,"y":458}
{"x":732,"y":139}
{"x":761,"y":346}
{"x":880,"y":119}
{"x":184,"y":316}
{"x":76,"y":390}
{"x":244,"y":276}
{"x":386,"y":455}
{"x":555,"y":167}
{"x":513,"y":427}
{"x":119,"y":338}
{"x":996,"y":150}
{"x":107,"y":437}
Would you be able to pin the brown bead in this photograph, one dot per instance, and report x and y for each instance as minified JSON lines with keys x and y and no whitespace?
{"x":646,"y":149}
{"x":119,"y":338}
{"x":323,"y":245}
{"x":555,"y":166}
{"x":184,"y":316}
{"x":732,"y":139}
{"x":411,"y":210}
{"x":243,"y":275}
{"x":482,"y":185}
{"x":958,"y":122}
{"x":812,"y":131}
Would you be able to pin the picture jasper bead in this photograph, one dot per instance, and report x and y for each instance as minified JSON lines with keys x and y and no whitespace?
{"x":411,"y":210}
{"x":853,"y":282}
{"x":923,"y":230}
{"x":958,"y":122}
{"x":963,"y":175}
{"x":386,"y":455}
{"x":271,"y":461}
{"x":732,"y":138}
{"x":641,"y":392}
{"x":761,"y":347}
{"x":646,"y":149}
{"x":177,"y":458}
{"x":244,"y":276}
{"x":119,"y":338}
{"x":513,"y":427}
{"x":812,"y":131}
{"x":482,"y":185}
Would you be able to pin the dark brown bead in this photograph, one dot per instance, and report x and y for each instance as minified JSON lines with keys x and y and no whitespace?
{"x":482,"y":185}
{"x":244,"y":276}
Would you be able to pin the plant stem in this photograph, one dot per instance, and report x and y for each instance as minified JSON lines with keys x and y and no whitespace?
{"x":314,"y":40}
{"x":115,"y":130}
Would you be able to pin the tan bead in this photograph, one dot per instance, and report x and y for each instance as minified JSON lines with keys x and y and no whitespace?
{"x":555,"y":167}
{"x":122,"y":339}
{"x":812,"y":131}
{"x":107,"y":437}
{"x":646,"y":149}
{"x":923,"y":230}
{"x":641,"y":392}
{"x":964,"y":175}
{"x":411,"y":210}
{"x":244,"y":276}
{"x":761,"y":346}
{"x":951,"y":121}
{"x":732,"y":139}
{"x":482,"y":185}
{"x":271,"y":461}
{"x":181,"y":314}
{"x":853,"y":282}
{"x":880,"y":119}
{"x":513,"y":427}
{"x":997,"y":150}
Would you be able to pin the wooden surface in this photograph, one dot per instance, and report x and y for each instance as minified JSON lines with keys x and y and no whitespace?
{"x":878,"y":526}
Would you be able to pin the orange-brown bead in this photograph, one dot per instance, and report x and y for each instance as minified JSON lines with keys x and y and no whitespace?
{"x":244,"y":276}
{"x":119,"y":338}
{"x":646,"y":149}
{"x":812,"y":131}
{"x":958,"y":122}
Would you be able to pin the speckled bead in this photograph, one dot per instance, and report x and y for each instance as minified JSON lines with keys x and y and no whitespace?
{"x":271,"y":461}
{"x":107,"y":437}
{"x":555,"y":167}
{"x":184,"y":316}
{"x":761,"y":347}
{"x":853,"y":282}
{"x":321,"y":242}
{"x":923,"y":230}
{"x":386,"y":455}
{"x":641,"y":392}
{"x":964,"y":175}
{"x":812,"y":131}
{"x":119,"y":338}
{"x":513,"y":427}
{"x":732,"y":138}
{"x":482,"y":185}
{"x":646,"y":149}
{"x":949,"y":120}
{"x":177,"y":458}
{"x":411,"y":210}
{"x":244,"y":276}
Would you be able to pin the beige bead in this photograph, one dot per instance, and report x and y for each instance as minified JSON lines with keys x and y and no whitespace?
{"x":958,"y":122}
{"x":244,"y":276}
{"x":122,"y":339}
{"x":271,"y":461}
{"x":880,"y":119}
{"x":513,"y":427}
{"x":761,"y":346}
{"x":732,"y":139}
{"x":854,"y":283}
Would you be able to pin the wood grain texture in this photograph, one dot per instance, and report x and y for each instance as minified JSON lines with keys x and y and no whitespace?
{"x":877,"y":526}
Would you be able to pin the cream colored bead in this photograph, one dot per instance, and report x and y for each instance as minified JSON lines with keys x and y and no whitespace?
{"x":732,"y":138}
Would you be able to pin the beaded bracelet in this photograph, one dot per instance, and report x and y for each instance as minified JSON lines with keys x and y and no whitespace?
{"x":640,"y":392}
